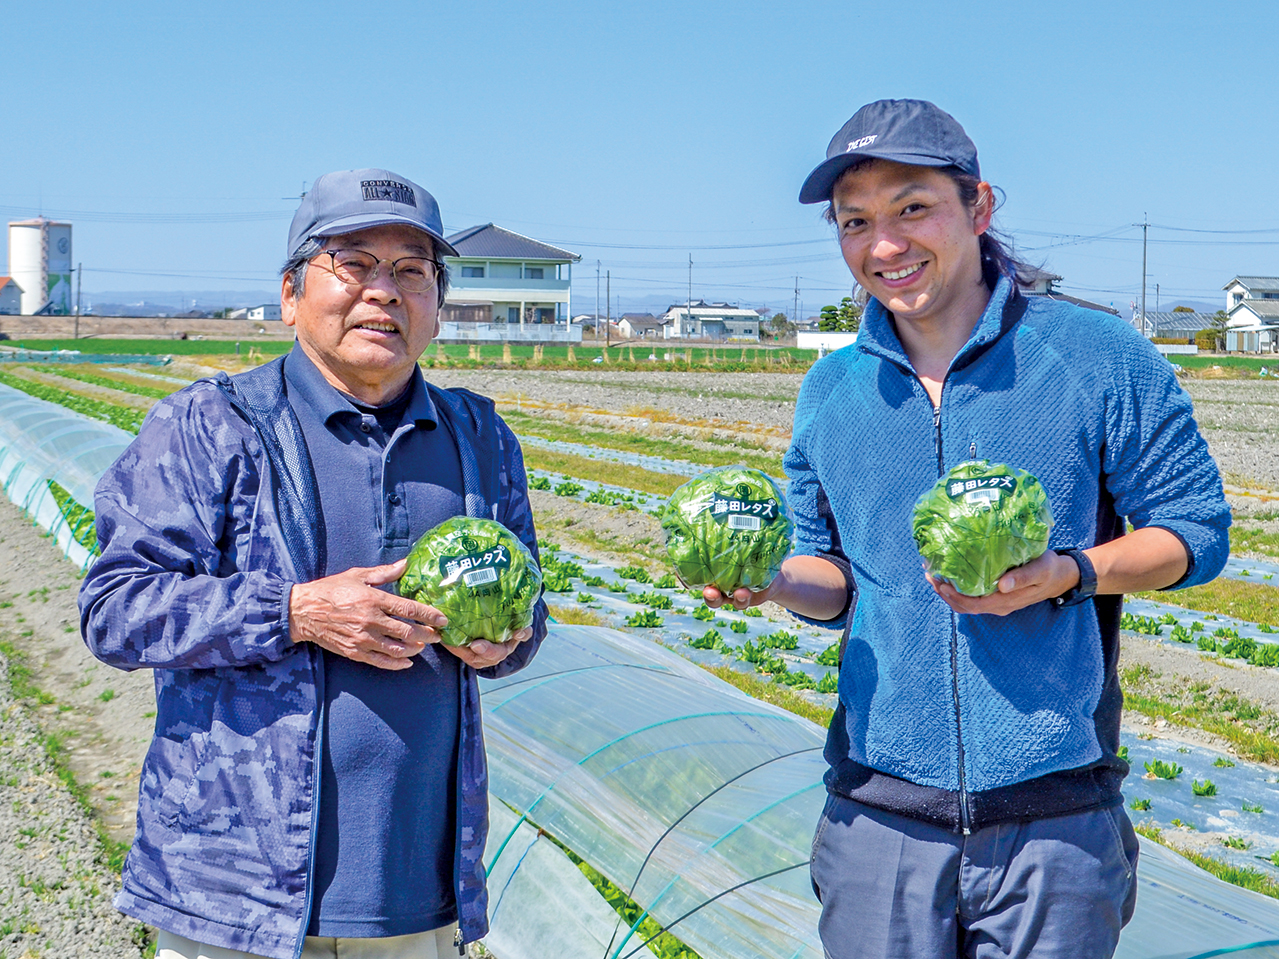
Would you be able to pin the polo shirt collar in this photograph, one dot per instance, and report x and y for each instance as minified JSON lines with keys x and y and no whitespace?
{"x":308,"y":386}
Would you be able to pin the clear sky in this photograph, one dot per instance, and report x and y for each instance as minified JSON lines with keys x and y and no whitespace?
{"x":177,"y":137}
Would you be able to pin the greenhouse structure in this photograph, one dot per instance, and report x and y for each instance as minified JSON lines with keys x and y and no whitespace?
{"x":616,"y":762}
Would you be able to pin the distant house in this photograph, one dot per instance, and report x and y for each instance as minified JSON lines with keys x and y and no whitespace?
{"x":10,"y":296}
{"x":1252,"y":305}
{"x":711,"y":321}
{"x":1037,"y":282}
{"x":514,"y":278}
{"x":637,"y":325}
{"x":267,"y":311}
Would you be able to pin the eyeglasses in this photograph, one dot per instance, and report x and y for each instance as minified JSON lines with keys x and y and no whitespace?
{"x":412,"y":274}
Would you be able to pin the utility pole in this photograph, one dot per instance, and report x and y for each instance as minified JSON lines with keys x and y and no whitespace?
{"x":79,"y":268}
{"x":1156,"y":297}
{"x":608,"y":306}
{"x":795,"y":308}
{"x":597,"y":299}
{"x":1144,"y":227}
{"x":690,"y":292}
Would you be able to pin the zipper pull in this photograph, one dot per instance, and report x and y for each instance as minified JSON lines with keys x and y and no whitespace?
{"x":457,"y":941}
{"x":972,"y":450}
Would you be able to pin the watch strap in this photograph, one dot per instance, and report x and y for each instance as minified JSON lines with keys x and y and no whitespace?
{"x":1086,"y":588}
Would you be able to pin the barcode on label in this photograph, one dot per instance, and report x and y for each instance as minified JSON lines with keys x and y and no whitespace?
{"x":983,"y":497}
{"x":743,"y":522}
{"x":478,"y":577}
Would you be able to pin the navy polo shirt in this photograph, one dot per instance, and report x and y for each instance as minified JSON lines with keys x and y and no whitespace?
{"x":386,"y":841}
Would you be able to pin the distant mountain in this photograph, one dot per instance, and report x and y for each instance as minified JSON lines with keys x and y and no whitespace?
{"x":167,"y":302}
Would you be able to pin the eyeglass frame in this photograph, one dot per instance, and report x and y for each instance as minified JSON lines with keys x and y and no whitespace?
{"x":377,"y":265}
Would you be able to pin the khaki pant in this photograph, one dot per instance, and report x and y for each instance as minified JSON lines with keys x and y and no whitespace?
{"x":435,"y":944}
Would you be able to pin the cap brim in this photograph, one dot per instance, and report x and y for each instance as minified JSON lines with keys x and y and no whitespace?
{"x":821,"y":182}
{"x":363,"y":221}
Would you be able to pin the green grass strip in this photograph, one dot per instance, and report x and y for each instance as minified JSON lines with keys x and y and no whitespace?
{"x":1247,"y":877}
{"x":115,"y":383}
{"x":1225,"y":596}
{"x":627,"y":442}
{"x":1247,"y":742}
{"x":160,"y":347}
{"x":1253,"y":539}
{"x":124,"y":418}
{"x":775,"y":693}
{"x":603,"y":471}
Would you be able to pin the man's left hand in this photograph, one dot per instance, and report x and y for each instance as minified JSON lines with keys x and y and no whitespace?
{"x":1043,"y":578}
{"x":482,"y":654}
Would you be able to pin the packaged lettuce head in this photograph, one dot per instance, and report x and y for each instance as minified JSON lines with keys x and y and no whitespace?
{"x":478,"y":574}
{"x":728,"y":527}
{"x":978,"y":522}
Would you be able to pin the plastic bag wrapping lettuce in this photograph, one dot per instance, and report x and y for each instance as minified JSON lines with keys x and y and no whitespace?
{"x":979,"y":521}
{"x":478,"y":574}
{"x":728,"y":527}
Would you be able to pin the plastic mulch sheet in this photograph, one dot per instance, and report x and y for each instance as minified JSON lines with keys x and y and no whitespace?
{"x":701,"y":802}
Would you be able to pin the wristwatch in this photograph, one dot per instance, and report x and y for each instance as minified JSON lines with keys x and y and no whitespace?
{"x":1086,"y":588}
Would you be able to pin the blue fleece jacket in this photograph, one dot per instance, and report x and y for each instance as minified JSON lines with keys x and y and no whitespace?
{"x":961,"y":719}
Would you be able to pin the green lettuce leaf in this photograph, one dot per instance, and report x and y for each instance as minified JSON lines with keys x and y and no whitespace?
{"x":478,"y":574}
{"x":728,"y":527}
{"x":979,"y":521}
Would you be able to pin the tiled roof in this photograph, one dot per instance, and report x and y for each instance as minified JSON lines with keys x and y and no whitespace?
{"x":1067,"y":298}
{"x":1256,"y":283}
{"x":493,"y":242}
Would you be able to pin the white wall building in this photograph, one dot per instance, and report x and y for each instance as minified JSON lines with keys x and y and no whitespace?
{"x":1252,"y":305}
{"x":507,"y":276}
{"x":710,"y":321}
{"x":267,"y":311}
{"x":40,"y":263}
{"x":10,"y":296}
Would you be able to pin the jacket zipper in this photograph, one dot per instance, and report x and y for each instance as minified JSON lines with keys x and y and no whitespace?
{"x":965,"y":816}
{"x":317,"y":774}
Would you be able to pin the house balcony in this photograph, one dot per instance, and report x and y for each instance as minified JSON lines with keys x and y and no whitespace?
{"x":505,"y":290}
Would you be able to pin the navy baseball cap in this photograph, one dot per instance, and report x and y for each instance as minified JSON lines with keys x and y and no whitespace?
{"x":907,"y":131}
{"x":351,"y":200}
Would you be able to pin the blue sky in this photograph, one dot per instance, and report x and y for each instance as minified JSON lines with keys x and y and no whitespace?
{"x":640,"y":134}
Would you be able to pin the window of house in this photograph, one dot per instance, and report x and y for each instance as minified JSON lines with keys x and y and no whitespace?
{"x":472,"y":271}
{"x":1238,"y":297}
{"x":512,"y":314}
{"x":532,"y":272}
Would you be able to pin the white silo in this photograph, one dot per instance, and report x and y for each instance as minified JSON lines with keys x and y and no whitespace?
{"x":40,"y":263}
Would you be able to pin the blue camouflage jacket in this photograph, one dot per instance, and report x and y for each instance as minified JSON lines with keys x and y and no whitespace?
{"x":204,"y":523}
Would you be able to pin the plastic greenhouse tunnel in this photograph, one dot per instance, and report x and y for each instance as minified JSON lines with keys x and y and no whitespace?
{"x":633,"y":793}
{"x":50,"y":462}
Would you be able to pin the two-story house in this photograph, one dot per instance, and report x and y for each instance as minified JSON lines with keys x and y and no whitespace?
{"x":710,"y":321}
{"x":500,"y":276}
{"x":1252,"y":305}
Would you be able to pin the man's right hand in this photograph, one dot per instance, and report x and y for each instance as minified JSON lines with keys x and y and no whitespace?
{"x":347,"y":615}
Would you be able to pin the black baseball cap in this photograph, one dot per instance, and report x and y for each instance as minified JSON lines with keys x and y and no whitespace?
{"x":351,"y":200}
{"x":906,"y":131}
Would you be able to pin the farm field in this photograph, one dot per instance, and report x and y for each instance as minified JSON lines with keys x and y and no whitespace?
{"x":625,"y":438}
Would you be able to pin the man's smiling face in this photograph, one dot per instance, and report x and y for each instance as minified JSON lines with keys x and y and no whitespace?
{"x":364,"y":339}
{"x":909,"y":238}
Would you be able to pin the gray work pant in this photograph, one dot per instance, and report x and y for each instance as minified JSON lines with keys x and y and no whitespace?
{"x":896,"y":887}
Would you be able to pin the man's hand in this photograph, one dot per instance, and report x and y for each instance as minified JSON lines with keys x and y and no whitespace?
{"x":482,"y":654}
{"x":1043,"y":578}
{"x":347,"y":615}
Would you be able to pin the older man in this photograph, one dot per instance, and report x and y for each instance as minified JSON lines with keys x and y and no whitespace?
{"x":316,"y":785}
{"x":974,"y":805}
